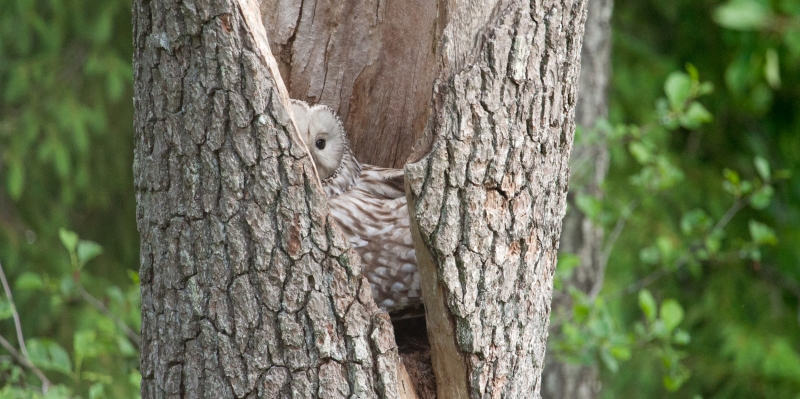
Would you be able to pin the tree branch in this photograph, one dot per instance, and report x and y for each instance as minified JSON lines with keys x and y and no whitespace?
{"x":23,"y":357}
{"x":17,"y":323}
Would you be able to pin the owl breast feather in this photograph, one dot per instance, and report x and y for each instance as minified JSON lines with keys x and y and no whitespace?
{"x":373,"y":215}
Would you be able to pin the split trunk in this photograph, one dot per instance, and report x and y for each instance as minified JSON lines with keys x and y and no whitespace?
{"x":248,"y":287}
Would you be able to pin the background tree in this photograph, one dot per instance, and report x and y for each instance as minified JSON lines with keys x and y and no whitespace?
{"x":581,"y":235}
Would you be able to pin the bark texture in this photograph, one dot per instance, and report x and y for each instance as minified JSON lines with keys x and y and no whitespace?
{"x":372,"y":61}
{"x":490,"y":196}
{"x":249,"y":290}
{"x":581,"y":236}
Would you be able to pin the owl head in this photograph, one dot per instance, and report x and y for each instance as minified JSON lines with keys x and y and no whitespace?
{"x":323,"y":133}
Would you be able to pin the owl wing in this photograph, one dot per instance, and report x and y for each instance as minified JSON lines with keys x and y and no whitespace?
{"x":382,"y":182}
{"x":374,"y":216}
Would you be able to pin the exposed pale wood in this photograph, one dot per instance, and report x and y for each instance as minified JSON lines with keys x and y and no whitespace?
{"x":581,"y":236}
{"x":372,"y":61}
{"x":448,"y":363}
{"x":404,"y":385}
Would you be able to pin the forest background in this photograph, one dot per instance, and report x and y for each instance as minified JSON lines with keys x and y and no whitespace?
{"x":701,"y":297}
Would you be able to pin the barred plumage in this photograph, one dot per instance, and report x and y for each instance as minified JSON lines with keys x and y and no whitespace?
{"x":369,"y":205}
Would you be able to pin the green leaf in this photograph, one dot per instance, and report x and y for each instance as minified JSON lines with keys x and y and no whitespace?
{"x":96,"y":391}
{"x":15,"y":180}
{"x":621,"y":352}
{"x":580,"y":312}
{"x":640,"y":151}
{"x":705,"y":88}
{"x":772,"y":70}
{"x":731,"y":176}
{"x":761,"y":233}
{"x":88,"y":250}
{"x":69,"y":239}
{"x":694,"y":74}
{"x":762,"y":167}
{"x":741,"y":15}
{"x":673,"y":383}
{"x":85,"y":345}
{"x":762,"y":197}
{"x":671,"y":314}
{"x":134,"y":276}
{"x":135,"y":378}
{"x":97,"y":377}
{"x":58,"y":392}
{"x":681,"y":337}
{"x":649,"y":255}
{"x":6,"y":309}
{"x":566,"y":264}
{"x":589,"y":205}
{"x":713,"y":243}
{"x":125,"y":347}
{"x":648,"y":305}
{"x":29,"y":281}
{"x":18,"y":83}
{"x":49,"y":355}
{"x":782,"y":361}
{"x":678,"y":87}
{"x":695,"y":221}
{"x":609,"y":360}
{"x":695,"y":116}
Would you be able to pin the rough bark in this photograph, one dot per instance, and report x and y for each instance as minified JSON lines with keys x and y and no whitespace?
{"x":248,"y":288}
{"x":580,"y":235}
{"x":490,"y":195}
{"x":372,"y":61}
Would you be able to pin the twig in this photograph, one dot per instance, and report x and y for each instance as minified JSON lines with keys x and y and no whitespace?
{"x":649,"y":279}
{"x":106,"y":311}
{"x":21,"y":357}
{"x":618,"y":227}
{"x":27,"y":363}
{"x":606,"y":254}
{"x":730,"y":213}
{"x":17,"y":323}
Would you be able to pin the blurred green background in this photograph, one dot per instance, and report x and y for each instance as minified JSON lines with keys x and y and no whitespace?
{"x":702,"y":292}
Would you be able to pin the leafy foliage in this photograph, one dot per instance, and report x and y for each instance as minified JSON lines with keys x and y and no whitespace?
{"x":65,"y":160}
{"x":708,"y":203}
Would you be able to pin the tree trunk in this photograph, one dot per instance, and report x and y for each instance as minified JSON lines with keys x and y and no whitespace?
{"x":489,"y":197}
{"x":580,"y":236}
{"x":248,"y":288}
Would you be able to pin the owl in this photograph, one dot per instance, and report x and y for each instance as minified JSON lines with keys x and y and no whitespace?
{"x":369,"y":205}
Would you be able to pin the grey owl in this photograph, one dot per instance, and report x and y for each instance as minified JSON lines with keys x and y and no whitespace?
{"x":369,"y":205}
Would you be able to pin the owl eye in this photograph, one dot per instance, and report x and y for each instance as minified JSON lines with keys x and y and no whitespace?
{"x":320,"y":143}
